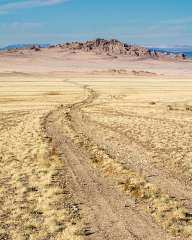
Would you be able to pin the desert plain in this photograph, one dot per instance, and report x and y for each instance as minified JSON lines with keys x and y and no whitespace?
{"x":94,"y":146}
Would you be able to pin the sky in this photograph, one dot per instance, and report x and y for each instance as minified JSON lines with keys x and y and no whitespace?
{"x":157,"y":23}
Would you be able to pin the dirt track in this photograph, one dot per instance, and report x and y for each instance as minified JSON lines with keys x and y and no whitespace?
{"x":95,"y":137}
{"x":107,"y":212}
{"x":97,"y":156}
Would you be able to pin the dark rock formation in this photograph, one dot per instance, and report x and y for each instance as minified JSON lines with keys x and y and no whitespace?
{"x":35,"y":48}
{"x":116,"y":48}
{"x":109,"y":47}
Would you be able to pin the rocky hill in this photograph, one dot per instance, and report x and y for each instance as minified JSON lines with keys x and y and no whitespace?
{"x":111,"y":47}
{"x":115,"y":48}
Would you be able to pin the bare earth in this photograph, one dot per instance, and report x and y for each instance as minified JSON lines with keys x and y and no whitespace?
{"x":94,"y":147}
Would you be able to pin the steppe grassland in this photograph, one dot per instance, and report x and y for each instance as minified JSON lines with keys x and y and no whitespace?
{"x":146,"y":123}
{"x":153,"y":112}
{"x":30,"y":193}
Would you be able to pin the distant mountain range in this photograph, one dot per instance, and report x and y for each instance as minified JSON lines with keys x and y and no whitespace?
{"x":187,"y":50}
{"x":15,"y":46}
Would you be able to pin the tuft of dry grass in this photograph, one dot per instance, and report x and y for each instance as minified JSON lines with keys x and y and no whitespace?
{"x":31,"y":183}
{"x":168,"y":212}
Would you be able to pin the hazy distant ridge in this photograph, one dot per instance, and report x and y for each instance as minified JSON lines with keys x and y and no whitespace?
{"x":187,"y":50}
{"x":15,"y":46}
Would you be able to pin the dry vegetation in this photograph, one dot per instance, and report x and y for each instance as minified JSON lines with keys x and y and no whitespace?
{"x":97,"y":153}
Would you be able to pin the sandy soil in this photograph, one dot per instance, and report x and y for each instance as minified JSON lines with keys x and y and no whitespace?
{"x":94,"y":148}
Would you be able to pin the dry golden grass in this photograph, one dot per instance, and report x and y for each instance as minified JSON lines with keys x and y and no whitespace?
{"x":140,"y":121}
{"x":30,"y":190}
{"x":169,"y":212}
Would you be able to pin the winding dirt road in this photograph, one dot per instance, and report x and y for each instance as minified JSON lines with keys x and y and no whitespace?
{"x":107,"y":212}
{"x":105,"y":154}
{"x":113,"y":162}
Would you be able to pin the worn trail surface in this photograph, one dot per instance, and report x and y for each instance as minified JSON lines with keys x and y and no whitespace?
{"x":32,"y":182}
{"x":106,"y":167}
{"x":107,"y":212}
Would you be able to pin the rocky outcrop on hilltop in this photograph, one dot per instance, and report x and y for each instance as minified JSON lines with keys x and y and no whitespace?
{"x":109,"y":47}
{"x":114,"y":47}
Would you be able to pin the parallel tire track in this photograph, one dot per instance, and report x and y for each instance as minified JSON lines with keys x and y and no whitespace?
{"x":106,"y":212}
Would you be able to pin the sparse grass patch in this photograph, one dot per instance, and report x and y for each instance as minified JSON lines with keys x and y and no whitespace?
{"x":32,"y":184}
{"x":168,"y":212}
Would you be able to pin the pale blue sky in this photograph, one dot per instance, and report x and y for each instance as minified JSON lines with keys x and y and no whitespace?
{"x":147,"y":22}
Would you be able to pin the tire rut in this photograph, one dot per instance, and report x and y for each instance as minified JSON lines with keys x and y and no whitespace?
{"x":107,"y":213}
{"x":157,"y":174}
